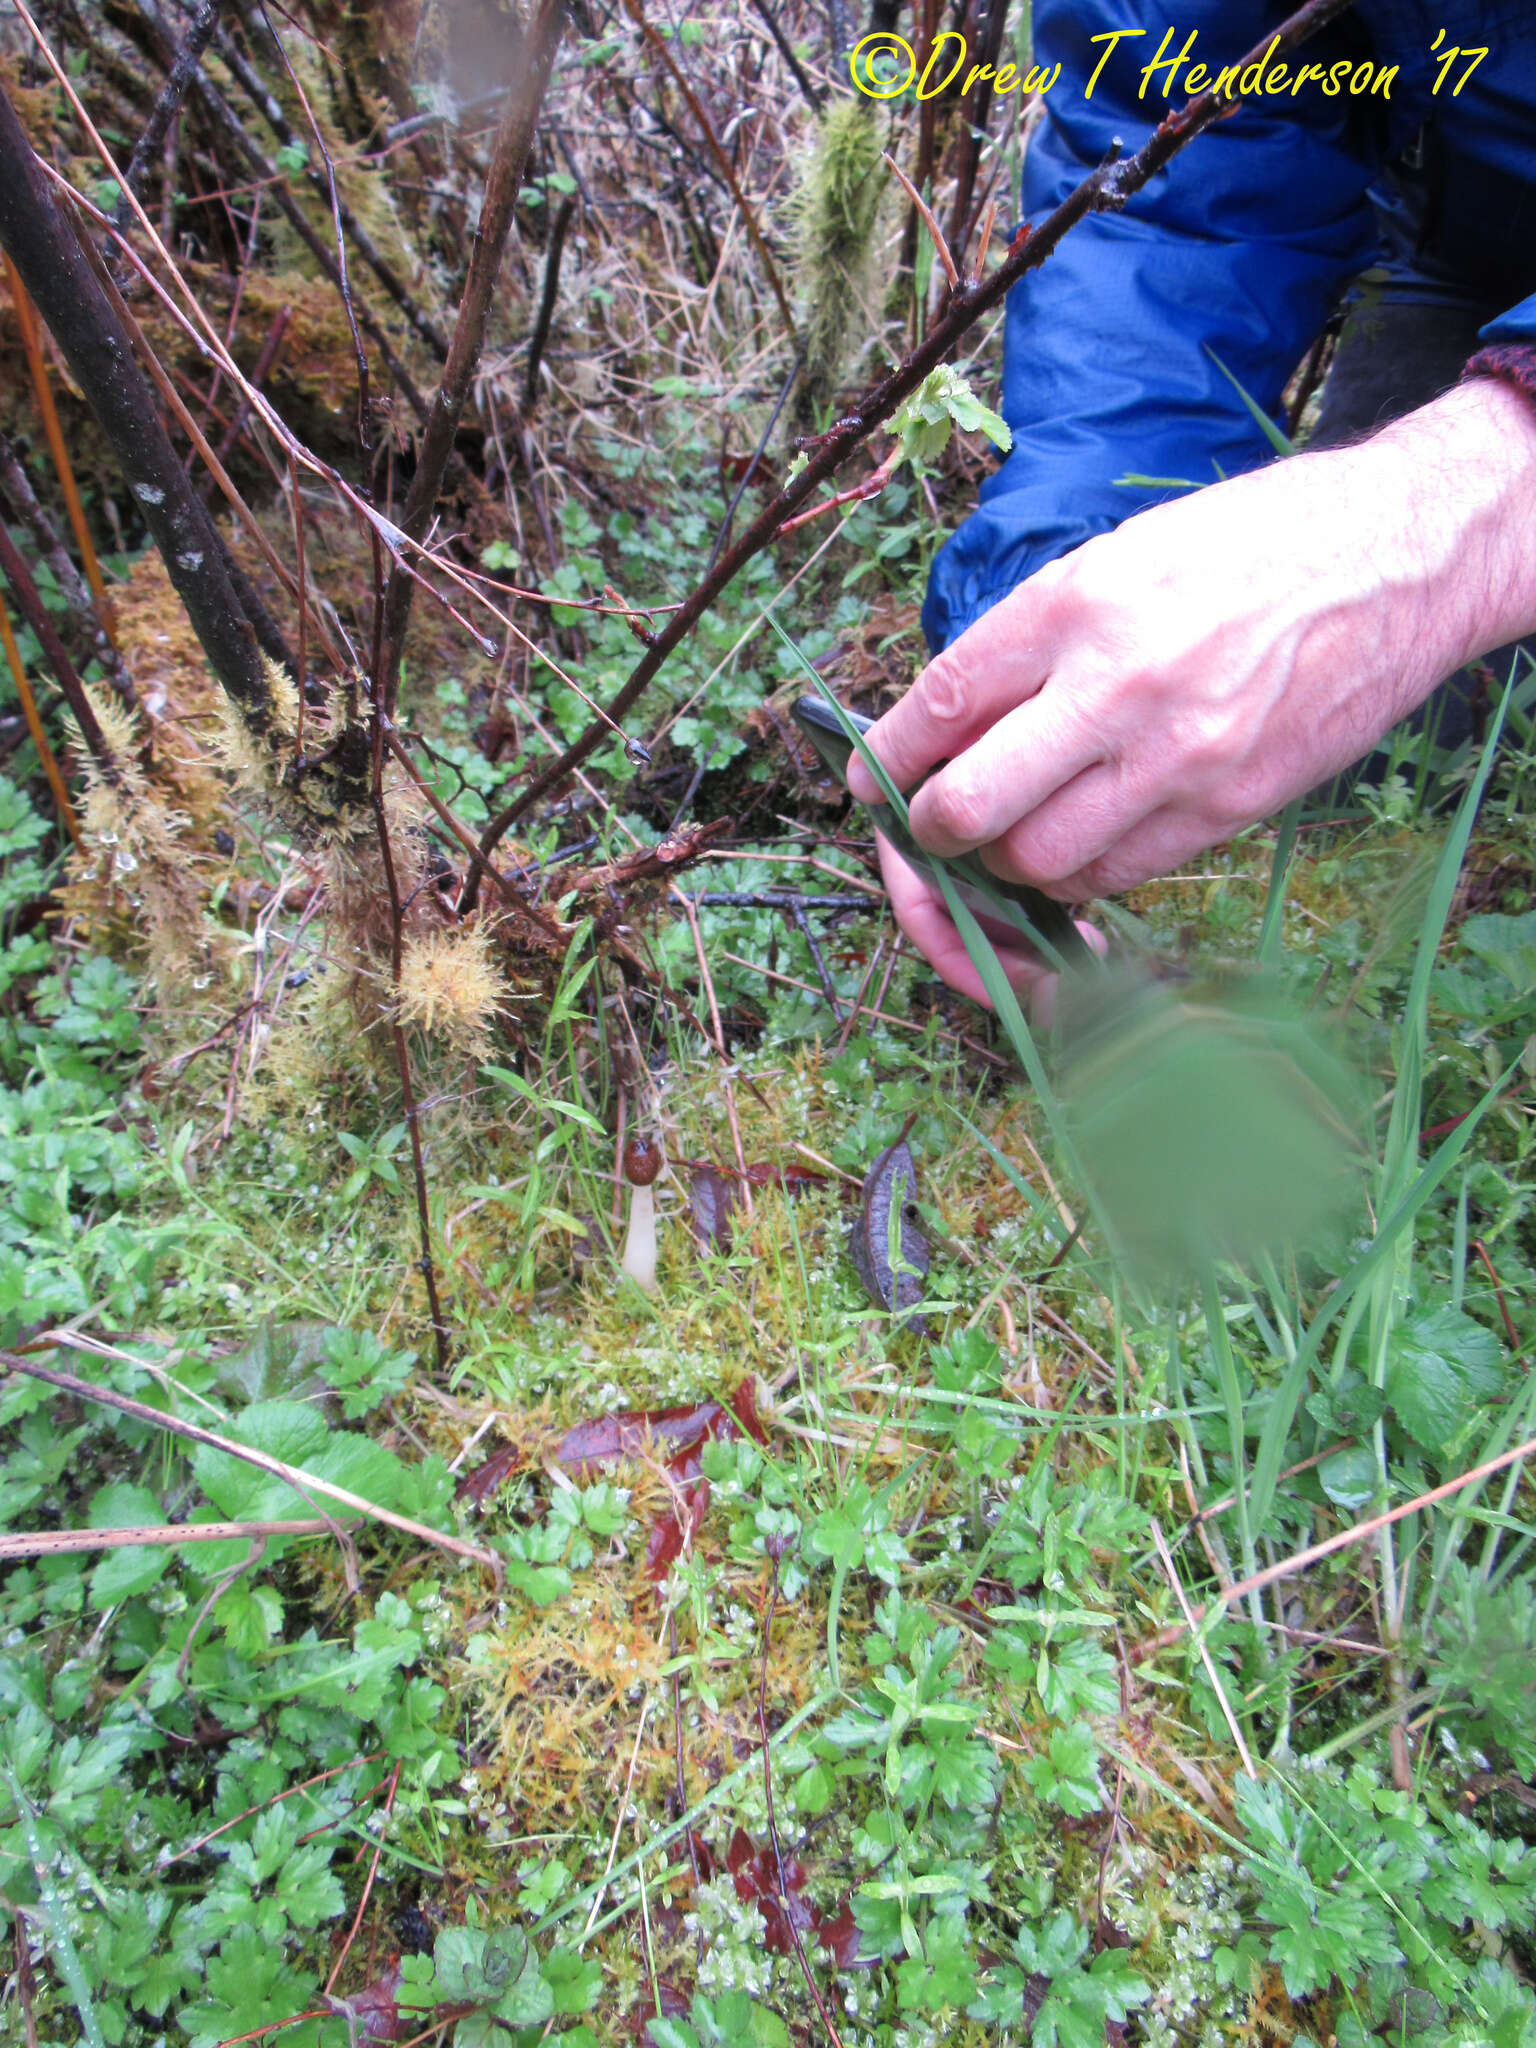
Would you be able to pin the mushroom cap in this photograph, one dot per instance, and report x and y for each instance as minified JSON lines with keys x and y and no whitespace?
{"x":642,"y":1161}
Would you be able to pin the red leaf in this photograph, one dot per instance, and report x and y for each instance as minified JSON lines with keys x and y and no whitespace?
{"x":673,"y":1532}
{"x":840,"y":1935}
{"x":373,"y":2014}
{"x":480,"y":1486}
{"x":761,"y":1173}
{"x":792,"y":1179}
{"x":679,"y":1434}
{"x":756,"y":1875}
{"x":744,"y":1407}
{"x":674,"y":2004}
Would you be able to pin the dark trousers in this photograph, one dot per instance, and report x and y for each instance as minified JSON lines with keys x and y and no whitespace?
{"x":1393,"y":356}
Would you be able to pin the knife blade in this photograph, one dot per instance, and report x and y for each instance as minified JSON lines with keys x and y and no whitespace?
{"x":986,"y":894}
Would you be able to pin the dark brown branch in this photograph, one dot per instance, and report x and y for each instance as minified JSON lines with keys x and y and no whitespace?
{"x":91,"y":338}
{"x":1103,"y":190}
{"x":509,"y":158}
{"x":16,"y":491}
{"x":172,"y":93}
{"x":787,"y":51}
{"x":975,"y":133}
{"x":30,"y":604}
{"x":263,"y":625}
{"x":557,"y":235}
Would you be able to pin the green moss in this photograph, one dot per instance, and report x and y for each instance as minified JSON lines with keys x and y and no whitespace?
{"x":836,"y":206}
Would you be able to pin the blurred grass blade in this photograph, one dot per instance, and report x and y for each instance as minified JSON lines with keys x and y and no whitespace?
{"x":1271,"y":931}
{"x":62,"y":1946}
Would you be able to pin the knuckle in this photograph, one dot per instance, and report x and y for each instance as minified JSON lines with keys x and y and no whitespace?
{"x":1040,"y":853}
{"x":959,"y":811}
{"x":947,"y":692}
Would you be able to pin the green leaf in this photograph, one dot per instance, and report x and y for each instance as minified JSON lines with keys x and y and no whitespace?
{"x":123,"y":1574}
{"x":1349,"y":1478}
{"x":813,"y":1789}
{"x":1506,"y":943}
{"x":1068,"y":1774}
{"x":573,"y":1980}
{"x":458,"y":1956}
{"x":670,"y":2033}
{"x":1441,"y":1369}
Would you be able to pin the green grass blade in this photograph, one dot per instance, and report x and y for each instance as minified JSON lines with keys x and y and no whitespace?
{"x":63,"y":1948}
{"x":1279,"y":870}
{"x":1280,"y":442}
{"x":1272,"y":1450}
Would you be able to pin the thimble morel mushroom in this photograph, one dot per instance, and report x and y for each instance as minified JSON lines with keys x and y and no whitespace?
{"x":642,"y":1163}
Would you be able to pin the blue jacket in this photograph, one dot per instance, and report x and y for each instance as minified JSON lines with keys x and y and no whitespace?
{"x":1240,"y":250}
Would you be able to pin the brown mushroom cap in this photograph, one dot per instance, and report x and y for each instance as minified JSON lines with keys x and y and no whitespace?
{"x":642,"y":1161}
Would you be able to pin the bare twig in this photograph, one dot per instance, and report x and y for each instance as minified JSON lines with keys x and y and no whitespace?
{"x":293,"y":1475}
{"x":1509,"y":1326}
{"x":29,"y":712}
{"x":165,"y":1859}
{"x":1287,"y":1567}
{"x":707,"y":128}
{"x":216,"y":1592}
{"x":169,"y":1536}
{"x":926,"y":214}
{"x":786,"y":50}
{"x":37,"y":366}
{"x":270,"y":347}
{"x":559,"y":229}
{"x":373,"y":1871}
{"x":250,"y":83}
{"x":30,"y":604}
{"x":73,"y":588}
{"x":66,"y":292}
{"x":1203,"y":1647}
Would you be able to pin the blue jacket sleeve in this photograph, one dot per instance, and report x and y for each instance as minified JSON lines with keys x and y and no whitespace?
{"x":1518,"y":324}
{"x":1237,"y":252}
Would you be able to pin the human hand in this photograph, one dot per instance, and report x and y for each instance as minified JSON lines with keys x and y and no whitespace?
{"x":920,"y":910}
{"x":1187,"y":675}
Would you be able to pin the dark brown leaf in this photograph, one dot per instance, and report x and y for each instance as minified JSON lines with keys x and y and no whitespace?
{"x":711,"y":1198}
{"x":888,"y":1220}
{"x":677,"y":1434}
{"x":840,"y":1936}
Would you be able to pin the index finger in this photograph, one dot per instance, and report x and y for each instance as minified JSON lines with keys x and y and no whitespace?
{"x":994,"y":665}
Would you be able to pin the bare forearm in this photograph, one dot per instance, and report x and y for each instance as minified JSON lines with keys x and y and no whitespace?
{"x":1465,"y":467}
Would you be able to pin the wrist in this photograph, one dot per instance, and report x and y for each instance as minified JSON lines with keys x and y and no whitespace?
{"x":1464,"y":469}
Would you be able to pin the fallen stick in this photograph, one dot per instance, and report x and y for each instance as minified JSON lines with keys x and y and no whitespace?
{"x":295,"y":1476}
{"x":55,"y":1542}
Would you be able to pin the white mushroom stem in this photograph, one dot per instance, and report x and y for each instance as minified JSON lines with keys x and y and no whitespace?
{"x":639,"y":1260}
